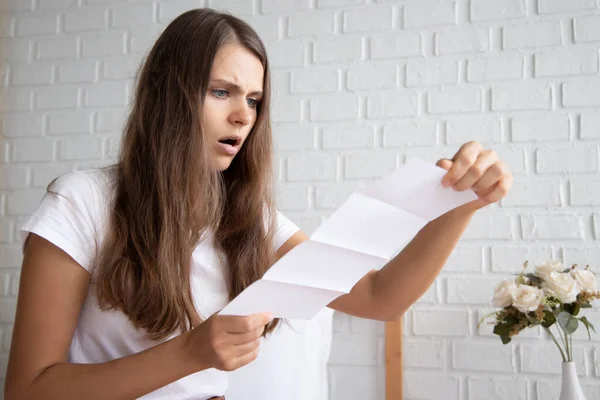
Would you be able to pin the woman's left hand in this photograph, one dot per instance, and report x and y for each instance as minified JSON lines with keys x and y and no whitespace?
{"x":479,"y":169}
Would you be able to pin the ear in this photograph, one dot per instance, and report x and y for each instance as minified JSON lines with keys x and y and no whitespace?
{"x":445,"y":163}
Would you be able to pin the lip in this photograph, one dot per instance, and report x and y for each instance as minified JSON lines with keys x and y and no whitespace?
{"x":228,"y":149}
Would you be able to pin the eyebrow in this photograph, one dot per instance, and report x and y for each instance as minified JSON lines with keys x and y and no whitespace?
{"x":233,"y":86}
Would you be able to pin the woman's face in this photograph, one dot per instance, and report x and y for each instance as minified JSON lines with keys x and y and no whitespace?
{"x":230,"y":106}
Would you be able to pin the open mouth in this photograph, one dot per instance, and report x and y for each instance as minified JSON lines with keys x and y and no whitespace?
{"x":231,"y":141}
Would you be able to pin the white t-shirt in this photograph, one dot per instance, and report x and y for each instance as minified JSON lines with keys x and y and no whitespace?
{"x":76,"y":222}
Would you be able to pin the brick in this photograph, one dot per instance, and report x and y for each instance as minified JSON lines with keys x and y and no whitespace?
{"x":56,"y":48}
{"x":311,"y":167}
{"x":168,"y":11}
{"x":70,"y":123}
{"x":16,"y":99}
{"x":462,"y":40}
{"x":586,"y":29}
{"x":80,"y":149}
{"x":57,"y":97}
{"x":430,"y":385}
{"x":14,"y":177}
{"x":337,"y":107}
{"x":286,"y":109}
{"x":569,"y":159}
{"x":37,"y":74}
{"x":485,"y":129}
{"x":23,"y":125}
{"x":521,"y":96}
{"x":267,"y":27}
{"x":24,"y":202}
{"x":495,"y":68}
{"x":418,"y":353}
{"x":284,"y":6}
{"x":589,"y":126}
{"x":10,"y":256}
{"x":371,"y":165}
{"x":141,"y":39}
{"x":16,"y":5}
{"x":338,"y":3}
{"x":37,"y":24}
{"x":581,"y":93}
{"x":234,"y":7}
{"x":33,"y":150}
{"x":337,"y":49}
{"x":559,"y":6}
{"x":431,"y":72}
{"x":510,"y":259}
{"x":43,"y":174}
{"x":7,"y":314}
{"x":368,"y":19}
{"x":6,"y":230}
{"x":470,"y":290}
{"x":409,"y":133}
{"x":395,"y":45}
{"x":489,"y":226}
{"x":363,"y":325}
{"x":289,"y":53}
{"x":292,"y":198}
{"x":332,"y":197}
{"x":106,"y":94}
{"x":497,"y":388}
{"x":427,"y":154}
{"x":77,"y":71}
{"x":572,"y":62}
{"x":533,"y":192}
{"x":56,"y":4}
{"x":540,"y":127}
{"x":440,"y":322}
{"x":102,"y":44}
{"x":550,"y":226}
{"x":465,"y":259}
{"x":315,"y":80}
{"x":88,"y":19}
{"x":430,"y":13}
{"x":293,"y":137}
{"x":126,"y":16}
{"x":110,"y":120}
{"x":482,"y":357}
{"x":538,"y":34}
{"x":311,"y":24}
{"x":582,"y":255}
{"x":584,"y":191}
{"x":545,"y":358}
{"x":489,"y":10}
{"x":281,"y":83}
{"x":15,"y":49}
{"x":371,"y":378}
{"x":372,"y":76}
{"x":392,"y":104}
{"x":348,"y":136}
{"x":355,"y":349}
{"x":7,"y":23}
{"x":454,"y":100}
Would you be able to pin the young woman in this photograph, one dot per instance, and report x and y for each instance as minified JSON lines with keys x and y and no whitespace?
{"x":125,"y":267}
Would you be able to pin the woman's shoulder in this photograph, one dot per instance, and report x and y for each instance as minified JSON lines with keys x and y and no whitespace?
{"x":90,"y":186}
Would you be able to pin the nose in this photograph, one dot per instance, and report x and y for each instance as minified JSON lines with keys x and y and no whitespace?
{"x":241,"y":115}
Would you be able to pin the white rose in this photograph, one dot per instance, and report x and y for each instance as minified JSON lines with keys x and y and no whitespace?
{"x":562,"y":286}
{"x":585,"y":279}
{"x":547,"y":267}
{"x":503,"y":293}
{"x":527,"y":298}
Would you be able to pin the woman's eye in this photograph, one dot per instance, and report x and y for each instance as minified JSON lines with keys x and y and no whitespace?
{"x":220,"y":93}
{"x":253,"y":102}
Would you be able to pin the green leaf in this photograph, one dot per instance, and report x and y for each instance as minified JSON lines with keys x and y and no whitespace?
{"x":588,"y":325}
{"x":549,"y":319}
{"x":505,"y":339}
{"x":586,"y":305}
{"x":572,"y":308}
{"x":567,"y":322}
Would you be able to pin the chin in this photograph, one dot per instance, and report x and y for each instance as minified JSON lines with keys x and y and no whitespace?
{"x":223,"y":164}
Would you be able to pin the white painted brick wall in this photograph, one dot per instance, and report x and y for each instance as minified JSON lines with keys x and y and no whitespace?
{"x":360,"y":87}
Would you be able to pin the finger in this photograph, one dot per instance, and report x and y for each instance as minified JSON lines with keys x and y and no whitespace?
{"x":245,"y":359}
{"x":444,"y":163}
{"x":242,"y":349}
{"x":246,"y":324}
{"x":247,"y":337}
{"x":499,"y":190}
{"x":484,"y":161}
{"x":493,"y":174}
{"x":462,"y":161}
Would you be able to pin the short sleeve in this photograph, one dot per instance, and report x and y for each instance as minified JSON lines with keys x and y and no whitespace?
{"x":65,"y":217}
{"x":284,"y":230}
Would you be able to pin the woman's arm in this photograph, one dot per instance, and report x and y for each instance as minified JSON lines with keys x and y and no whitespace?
{"x":51,"y":294}
{"x":386,"y":294}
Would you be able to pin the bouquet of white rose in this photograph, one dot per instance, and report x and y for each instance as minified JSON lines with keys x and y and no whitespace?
{"x":553,"y":295}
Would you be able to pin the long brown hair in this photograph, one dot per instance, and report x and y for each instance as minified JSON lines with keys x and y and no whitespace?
{"x":168,"y":193}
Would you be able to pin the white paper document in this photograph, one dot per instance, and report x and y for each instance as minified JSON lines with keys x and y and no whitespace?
{"x":368,"y":229}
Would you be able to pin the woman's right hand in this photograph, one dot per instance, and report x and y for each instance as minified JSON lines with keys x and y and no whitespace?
{"x":226,"y":342}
